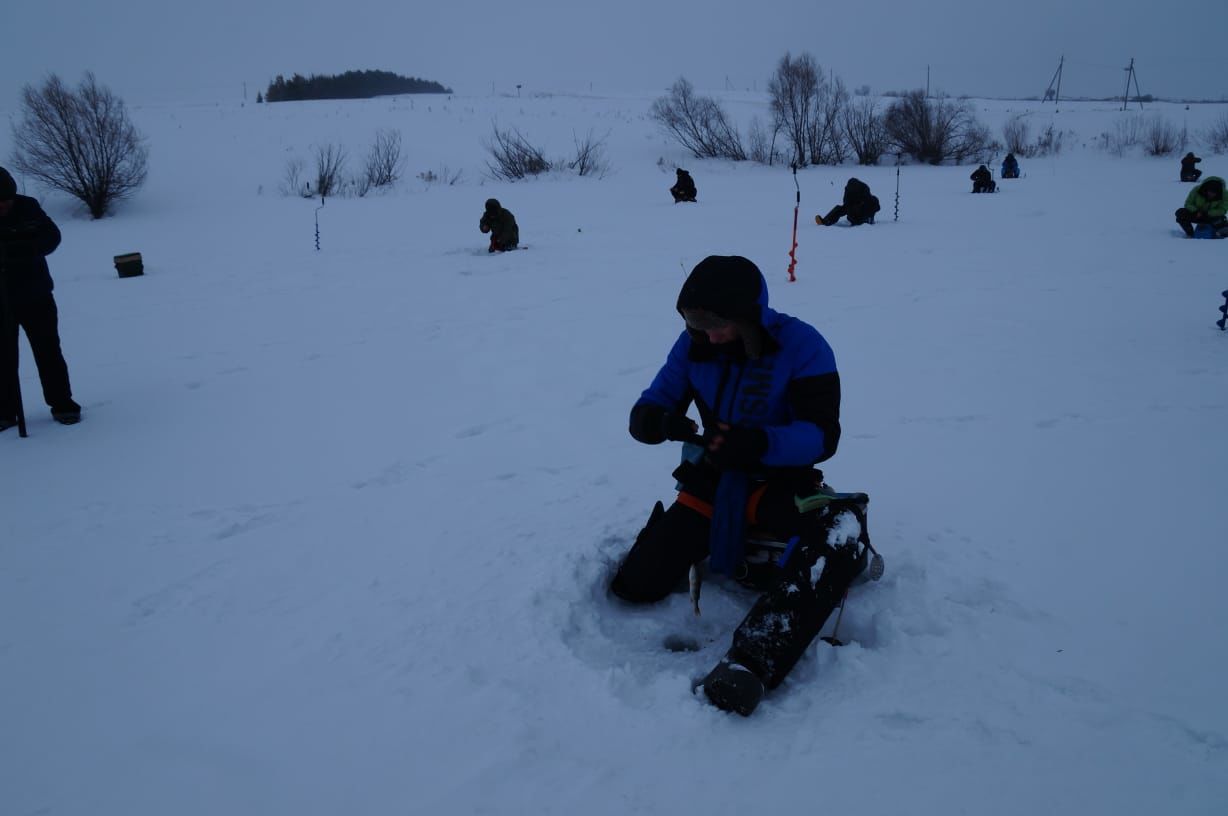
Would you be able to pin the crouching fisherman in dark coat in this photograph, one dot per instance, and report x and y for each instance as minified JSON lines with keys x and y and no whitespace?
{"x":684,"y":187}
{"x":982,"y":180}
{"x":858,"y":205}
{"x":501,"y":224}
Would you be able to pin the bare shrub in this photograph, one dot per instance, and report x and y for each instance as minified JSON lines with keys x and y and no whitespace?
{"x":698,"y":123}
{"x":863,"y":130}
{"x":292,"y":181}
{"x":1127,"y":133}
{"x":445,"y":176}
{"x":81,"y":142}
{"x":1215,"y":135}
{"x":935,"y":130}
{"x":1015,"y":135}
{"x":513,"y":157}
{"x":1049,"y":142}
{"x":383,"y":165}
{"x":1161,"y":137}
{"x":330,"y":169}
{"x":762,"y":148}
{"x":590,"y":157}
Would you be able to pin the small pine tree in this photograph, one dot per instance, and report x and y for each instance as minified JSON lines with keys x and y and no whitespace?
{"x":259,"y":97}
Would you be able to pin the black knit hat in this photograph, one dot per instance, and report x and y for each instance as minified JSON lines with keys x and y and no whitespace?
{"x":8,"y":187}
{"x":726,"y":285}
{"x":492,"y":205}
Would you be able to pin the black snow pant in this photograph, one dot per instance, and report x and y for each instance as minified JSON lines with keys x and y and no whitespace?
{"x":859,"y":214}
{"x":1191,"y":175}
{"x":795,"y":604}
{"x":987,"y":187}
{"x":40,"y":319}
{"x":1187,"y":220}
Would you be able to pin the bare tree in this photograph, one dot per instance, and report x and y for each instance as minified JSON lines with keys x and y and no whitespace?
{"x":513,"y":157}
{"x":792,"y":90}
{"x":825,"y":137}
{"x":698,"y":123}
{"x":81,"y":142}
{"x":383,"y":165}
{"x":863,"y":130}
{"x":330,"y":168}
{"x":1215,"y":135}
{"x":590,"y":158}
{"x":934,"y":130}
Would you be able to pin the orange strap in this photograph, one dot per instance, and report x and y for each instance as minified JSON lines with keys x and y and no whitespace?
{"x":705,"y":509}
{"x":698,"y":505}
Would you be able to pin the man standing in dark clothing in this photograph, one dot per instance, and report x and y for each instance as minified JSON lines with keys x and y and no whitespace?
{"x":768,"y":395}
{"x":684,"y":187}
{"x":501,"y":224}
{"x":27,"y":236}
{"x":858,"y":205}
{"x":1188,"y":171}
{"x":982,"y":180}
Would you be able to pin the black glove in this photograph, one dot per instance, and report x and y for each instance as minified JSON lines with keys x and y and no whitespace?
{"x":652,"y":424}
{"x":735,"y":447}
{"x":678,"y":427}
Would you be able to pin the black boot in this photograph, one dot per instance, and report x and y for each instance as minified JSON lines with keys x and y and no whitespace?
{"x":731,"y":686}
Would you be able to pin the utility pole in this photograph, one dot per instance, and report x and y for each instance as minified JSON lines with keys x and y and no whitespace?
{"x":1057,"y":78}
{"x":1131,"y":75}
{"x":927,"y":82}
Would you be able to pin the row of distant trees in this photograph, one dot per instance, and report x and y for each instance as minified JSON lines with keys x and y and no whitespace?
{"x":81,"y":141}
{"x":350,"y":85}
{"x":815,"y":120}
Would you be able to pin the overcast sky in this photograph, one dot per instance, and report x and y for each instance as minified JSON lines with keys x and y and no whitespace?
{"x":165,"y":50}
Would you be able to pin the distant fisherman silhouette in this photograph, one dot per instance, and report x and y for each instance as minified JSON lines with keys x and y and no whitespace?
{"x":501,"y":224}
{"x":684,"y":187}
{"x":982,"y":180}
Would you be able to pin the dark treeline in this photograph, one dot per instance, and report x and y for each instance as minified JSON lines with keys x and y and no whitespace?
{"x":350,"y":85}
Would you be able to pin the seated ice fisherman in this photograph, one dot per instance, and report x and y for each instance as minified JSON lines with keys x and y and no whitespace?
{"x":1206,"y":208}
{"x":768,"y":396}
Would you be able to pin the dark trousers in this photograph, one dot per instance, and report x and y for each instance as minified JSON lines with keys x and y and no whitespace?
{"x":1187,"y":220}
{"x":786,"y":618}
{"x":682,"y":195}
{"x":40,"y":320}
{"x":984,"y":187}
{"x":863,"y":214}
{"x":1191,"y":175}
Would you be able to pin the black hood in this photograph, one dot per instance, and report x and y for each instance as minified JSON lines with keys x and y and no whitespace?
{"x":726,"y":285}
{"x":8,"y":187}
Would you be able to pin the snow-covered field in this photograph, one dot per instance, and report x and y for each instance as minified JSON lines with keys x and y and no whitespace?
{"x":334,"y":534}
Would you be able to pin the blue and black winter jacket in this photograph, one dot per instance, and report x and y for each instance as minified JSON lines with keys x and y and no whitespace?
{"x":788,"y":385}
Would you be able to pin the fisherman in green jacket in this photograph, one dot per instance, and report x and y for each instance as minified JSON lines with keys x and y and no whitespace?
{"x":1205,"y":204}
{"x":501,"y":224}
